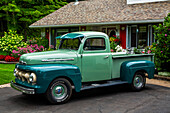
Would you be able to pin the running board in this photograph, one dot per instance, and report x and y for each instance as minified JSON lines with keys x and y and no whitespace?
{"x":110,"y":83}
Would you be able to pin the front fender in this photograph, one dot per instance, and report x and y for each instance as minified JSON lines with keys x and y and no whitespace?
{"x":129,"y":68}
{"x":46,"y":73}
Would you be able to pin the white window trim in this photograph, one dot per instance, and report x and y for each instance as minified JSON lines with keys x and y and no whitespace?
{"x":143,"y":1}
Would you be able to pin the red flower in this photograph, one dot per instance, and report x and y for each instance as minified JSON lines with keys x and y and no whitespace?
{"x":2,"y":57}
{"x":116,"y":40}
{"x":10,"y":59}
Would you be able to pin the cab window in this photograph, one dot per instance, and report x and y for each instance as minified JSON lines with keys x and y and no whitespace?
{"x":94,"y":44}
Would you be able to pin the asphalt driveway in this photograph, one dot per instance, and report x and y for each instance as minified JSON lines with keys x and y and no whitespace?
{"x":114,"y":99}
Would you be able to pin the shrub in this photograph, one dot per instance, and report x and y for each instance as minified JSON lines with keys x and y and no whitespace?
{"x":28,"y":49}
{"x":162,"y":45}
{"x":39,"y":41}
{"x":11,"y":41}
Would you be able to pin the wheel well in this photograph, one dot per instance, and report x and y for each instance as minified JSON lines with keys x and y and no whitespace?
{"x":143,"y":71}
{"x":71,"y":82}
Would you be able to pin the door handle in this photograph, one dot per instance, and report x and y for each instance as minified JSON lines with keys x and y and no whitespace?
{"x":106,"y":57}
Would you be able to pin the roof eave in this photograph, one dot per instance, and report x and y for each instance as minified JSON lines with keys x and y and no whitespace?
{"x":102,"y":23}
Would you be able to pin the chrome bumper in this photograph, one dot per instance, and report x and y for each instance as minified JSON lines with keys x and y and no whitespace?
{"x":22,"y":89}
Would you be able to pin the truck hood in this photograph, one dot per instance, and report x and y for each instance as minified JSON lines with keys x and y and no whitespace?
{"x":58,"y":56}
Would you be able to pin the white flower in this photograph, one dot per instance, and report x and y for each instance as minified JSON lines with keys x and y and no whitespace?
{"x":118,"y":48}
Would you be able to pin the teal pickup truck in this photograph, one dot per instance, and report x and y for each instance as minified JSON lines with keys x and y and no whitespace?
{"x":83,"y":61}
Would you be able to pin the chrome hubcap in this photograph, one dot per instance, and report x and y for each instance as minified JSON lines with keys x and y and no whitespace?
{"x":138,"y":81}
{"x":59,"y":91}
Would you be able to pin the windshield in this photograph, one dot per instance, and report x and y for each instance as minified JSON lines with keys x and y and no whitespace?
{"x":70,"y":44}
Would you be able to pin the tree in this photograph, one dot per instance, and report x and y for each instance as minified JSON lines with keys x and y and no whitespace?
{"x":19,"y":14}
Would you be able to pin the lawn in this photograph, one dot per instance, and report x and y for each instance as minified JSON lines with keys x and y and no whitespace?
{"x":6,"y":73}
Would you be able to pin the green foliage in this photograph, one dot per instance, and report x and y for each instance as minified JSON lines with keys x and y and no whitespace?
{"x":11,"y":41}
{"x":19,"y":14}
{"x":162,"y":45}
{"x":40,"y":41}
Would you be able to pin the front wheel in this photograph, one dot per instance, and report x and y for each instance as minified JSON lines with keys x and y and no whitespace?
{"x":139,"y":81}
{"x":59,"y":91}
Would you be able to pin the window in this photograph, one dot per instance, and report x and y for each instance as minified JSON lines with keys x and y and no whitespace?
{"x":70,"y":44}
{"x":94,"y":44}
{"x":142,"y":1}
{"x":140,"y":36}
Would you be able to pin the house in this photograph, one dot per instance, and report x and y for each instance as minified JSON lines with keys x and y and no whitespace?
{"x":131,"y":20}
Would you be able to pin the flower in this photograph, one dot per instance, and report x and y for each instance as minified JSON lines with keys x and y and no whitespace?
{"x":156,"y":44}
{"x":112,"y":50}
{"x":149,"y":51}
{"x":161,"y":51}
{"x":166,"y":35}
{"x":2,"y":57}
{"x":168,"y":29}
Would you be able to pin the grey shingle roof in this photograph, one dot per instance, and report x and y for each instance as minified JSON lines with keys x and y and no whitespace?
{"x":99,"y":11}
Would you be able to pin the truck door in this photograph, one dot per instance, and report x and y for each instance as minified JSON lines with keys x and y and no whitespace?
{"x":95,"y":60}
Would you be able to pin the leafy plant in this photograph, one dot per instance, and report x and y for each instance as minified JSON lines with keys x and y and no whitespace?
{"x":11,"y":41}
{"x":39,"y":41}
{"x":162,"y":45}
{"x":114,"y":42}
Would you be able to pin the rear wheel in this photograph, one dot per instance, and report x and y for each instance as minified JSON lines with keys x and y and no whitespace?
{"x":59,"y":91}
{"x":139,"y":81}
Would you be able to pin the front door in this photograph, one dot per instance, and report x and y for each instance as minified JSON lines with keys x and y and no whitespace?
{"x":95,"y":60}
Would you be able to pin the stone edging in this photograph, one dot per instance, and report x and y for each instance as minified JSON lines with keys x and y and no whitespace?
{"x":4,"y":62}
{"x":161,"y":77}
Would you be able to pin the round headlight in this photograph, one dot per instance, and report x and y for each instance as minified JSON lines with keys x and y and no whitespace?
{"x":32,"y":77}
{"x":20,"y":73}
{"x":26,"y":75}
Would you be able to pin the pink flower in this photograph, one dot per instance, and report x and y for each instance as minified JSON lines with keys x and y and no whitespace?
{"x":111,"y":50}
{"x":165,"y":26}
{"x":18,"y":54}
{"x":149,"y":51}
{"x":156,"y":44}
{"x":168,"y":29}
{"x":166,"y":35}
{"x":161,"y":51}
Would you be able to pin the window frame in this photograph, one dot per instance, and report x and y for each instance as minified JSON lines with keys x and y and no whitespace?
{"x":94,"y":37}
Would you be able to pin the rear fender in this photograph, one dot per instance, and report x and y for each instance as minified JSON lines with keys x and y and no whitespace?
{"x":129,"y":68}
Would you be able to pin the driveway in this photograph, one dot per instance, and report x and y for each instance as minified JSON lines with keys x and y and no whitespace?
{"x":155,"y":98}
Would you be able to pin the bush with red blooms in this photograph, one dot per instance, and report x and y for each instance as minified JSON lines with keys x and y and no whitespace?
{"x":11,"y":59}
{"x":2,"y":57}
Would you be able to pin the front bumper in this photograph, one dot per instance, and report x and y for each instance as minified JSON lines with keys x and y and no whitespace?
{"x":22,"y":89}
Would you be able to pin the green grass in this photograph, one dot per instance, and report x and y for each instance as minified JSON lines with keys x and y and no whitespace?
{"x":6,"y":73}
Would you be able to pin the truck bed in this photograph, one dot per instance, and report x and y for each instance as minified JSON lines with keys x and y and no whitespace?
{"x":119,"y":58}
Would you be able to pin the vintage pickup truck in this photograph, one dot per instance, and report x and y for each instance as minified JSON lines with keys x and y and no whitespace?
{"x":83,"y":61}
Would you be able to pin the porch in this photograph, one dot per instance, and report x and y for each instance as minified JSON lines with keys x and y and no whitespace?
{"x":131,"y":35}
